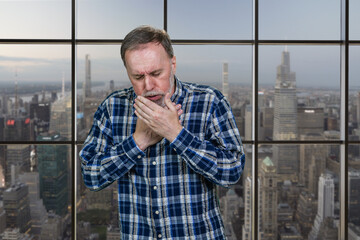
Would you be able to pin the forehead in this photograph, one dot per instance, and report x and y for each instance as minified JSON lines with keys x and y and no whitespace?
{"x":146,"y":54}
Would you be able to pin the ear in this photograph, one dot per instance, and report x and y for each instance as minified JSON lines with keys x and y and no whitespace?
{"x":173,"y":64}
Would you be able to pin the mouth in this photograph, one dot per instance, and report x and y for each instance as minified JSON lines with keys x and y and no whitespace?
{"x":154,"y":98}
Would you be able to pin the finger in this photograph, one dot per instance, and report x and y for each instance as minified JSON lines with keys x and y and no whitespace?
{"x":169,"y":103}
{"x":149,"y":104}
{"x":140,"y":112}
{"x":142,"y":108}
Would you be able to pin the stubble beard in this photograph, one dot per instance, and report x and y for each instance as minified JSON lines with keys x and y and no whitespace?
{"x":161,"y":101}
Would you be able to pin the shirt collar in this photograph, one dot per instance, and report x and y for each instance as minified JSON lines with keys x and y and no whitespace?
{"x":178,"y":90}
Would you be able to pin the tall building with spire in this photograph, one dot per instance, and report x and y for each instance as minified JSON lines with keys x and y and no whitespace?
{"x":225,"y":80}
{"x":285,"y":157}
{"x":87,"y":82}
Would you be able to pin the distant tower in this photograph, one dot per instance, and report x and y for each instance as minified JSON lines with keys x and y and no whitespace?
{"x":269,"y":199}
{"x":358,"y":110}
{"x":225,"y":80}
{"x":112,"y":85}
{"x":63,"y":86}
{"x":16,"y":110}
{"x":87,"y":83}
{"x":325,"y":203}
{"x":285,"y":121}
{"x":354,"y":196}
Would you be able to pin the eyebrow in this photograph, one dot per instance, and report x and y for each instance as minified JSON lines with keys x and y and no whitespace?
{"x":142,"y":74}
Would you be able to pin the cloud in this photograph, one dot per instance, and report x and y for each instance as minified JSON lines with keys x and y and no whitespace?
{"x":19,"y":63}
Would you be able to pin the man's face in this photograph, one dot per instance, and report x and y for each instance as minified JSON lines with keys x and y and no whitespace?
{"x":151,"y":71}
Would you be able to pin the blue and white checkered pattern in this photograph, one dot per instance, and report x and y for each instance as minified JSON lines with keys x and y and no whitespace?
{"x":169,"y":190}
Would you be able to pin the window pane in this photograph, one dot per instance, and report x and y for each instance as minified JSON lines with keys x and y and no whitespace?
{"x":103,"y":68}
{"x":235,"y":203}
{"x":36,"y":190}
{"x":114,"y":19}
{"x":246,"y":199}
{"x":354,"y":190}
{"x":216,"y":65}
{"x":303,"y":20}
{"x":354,"y":27}
{"x":354,"y":93}
{"x":97,"y":212}
{"x":35,"y":19}
{"x":210,"y":19}
{"x":299,"y":191}
{"x":35,"y":91}
{"x":299,"y":92}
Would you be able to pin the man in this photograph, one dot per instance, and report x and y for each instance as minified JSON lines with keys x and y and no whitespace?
{"x":166,"y":143}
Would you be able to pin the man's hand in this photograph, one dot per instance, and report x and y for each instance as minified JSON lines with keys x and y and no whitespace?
{"x":163,"y":121}
{"x":144,"y":136}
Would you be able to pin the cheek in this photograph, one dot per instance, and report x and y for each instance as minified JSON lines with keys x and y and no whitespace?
{"x":138,"y":88}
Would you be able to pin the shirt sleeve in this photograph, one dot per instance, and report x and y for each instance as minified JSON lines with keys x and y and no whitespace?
{"x":102,"y":161}
{"x":220,"y":158}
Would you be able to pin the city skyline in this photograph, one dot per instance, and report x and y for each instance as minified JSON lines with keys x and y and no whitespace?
{"x":293,"y":202}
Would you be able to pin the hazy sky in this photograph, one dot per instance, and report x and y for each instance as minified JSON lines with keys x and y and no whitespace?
{"x":187,"y":19}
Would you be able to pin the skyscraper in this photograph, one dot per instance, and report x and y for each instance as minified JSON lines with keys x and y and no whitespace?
{"x":358,"y":110}
{"x":53,"y":171}
{"x":354,"y":196}
{"x":225,"y":80}
{"x":60,"y":117}
{"x":87,"y":83}
{"x":17,"y":207}
{"x":325,"y":203}
{"x":37,"y":209}
{"x":268,"y":191}
{"x":285,"y":157}
{"x":312,"y":162}
{"x":18,"y":159}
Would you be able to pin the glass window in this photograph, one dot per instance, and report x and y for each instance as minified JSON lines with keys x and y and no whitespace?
{"x":354,"y":19}
{"x":35,"y":91}
{"x":235,"y":203}
{"x":113,"y":19}
{"x":33,"y":19}
{"x":354,"y":93}
{"x":36,"y":190}
{"x":100,"y":72}
{"x":227,"y":68}
{"x":299,"y":92}
{"x":210,"y":19}
{"x":305,"y":20}
{"x":97,"y":212}
{"x":299,"y":190}
{"x":354,"y":189}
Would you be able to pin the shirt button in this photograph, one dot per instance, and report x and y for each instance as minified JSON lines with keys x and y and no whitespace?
{"x":159,"y":236}
{"x":139,"y":156}
{"x":153,"y":163}
{"x":155,"y":187}
{"x":157,"y":212}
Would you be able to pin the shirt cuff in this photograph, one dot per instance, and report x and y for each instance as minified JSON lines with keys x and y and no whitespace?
{"x":132,"y":151}
{"x":182,"y":141}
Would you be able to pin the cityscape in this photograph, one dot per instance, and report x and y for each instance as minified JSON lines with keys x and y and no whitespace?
{"x":299,"y":192}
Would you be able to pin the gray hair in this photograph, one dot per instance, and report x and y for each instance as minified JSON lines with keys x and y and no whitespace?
{"x":143,"y":35}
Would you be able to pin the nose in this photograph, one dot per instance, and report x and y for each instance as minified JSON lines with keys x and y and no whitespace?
{"x":149,"y":83}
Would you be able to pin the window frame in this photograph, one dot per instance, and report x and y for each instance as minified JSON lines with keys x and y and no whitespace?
{"x":255,"y":42}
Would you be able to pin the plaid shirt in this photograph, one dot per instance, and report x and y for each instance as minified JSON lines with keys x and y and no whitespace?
{"x":168,"y":191}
